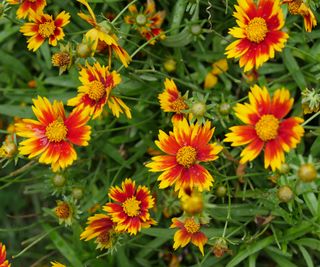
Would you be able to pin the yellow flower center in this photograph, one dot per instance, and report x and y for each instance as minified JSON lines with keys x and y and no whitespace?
{"x":46,"y":29}
{"x":56,"y":131}
{"x":60,"y":59}
{"x":257,"y":30}
{"x":294,"y":7}
{"x":186,"y":156}
{"x":96,"y":90}
{"x":267,"y":127}
{"x":131,"y":206}
{"x":62,"y":210}
{"x":178,"y":105}
{"x":191,"y":226}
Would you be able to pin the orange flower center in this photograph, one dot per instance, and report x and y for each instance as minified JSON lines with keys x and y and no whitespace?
{"x":186,"y":156}
{"x":179,"y":105}
{"x":46,"y":29}
{"x":62,"y":210}
{"x":267,"y":127}
{"x":294,"y":7}
{"x":104,"y":238}
{"x":56,"y":131}
{"x":257,"y":30}
{"x":191,"y":226}
{"x":32,"y":1}
{"x":131,"y":206}
{"x":141,"y":19}
{"x":60,"y":59}
{"x":96,"y":90}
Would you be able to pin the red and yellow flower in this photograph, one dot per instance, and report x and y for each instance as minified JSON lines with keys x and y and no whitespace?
{"x":298,"y":7}
{"x":57,"y":264}
{"x":185,"y":148}
{"x":102,"y":32}
{"x":3,"y":256}
{"x":96,"y":91}
{"x":147,"y":22}
{"x":189,"y":231}
{"x":130,"y":212}
{"x":100,"y":227}
{"x":259,"y":32}
{"x":26,"y":7}
{"x":266,"y":127}
{"x":53,"y":135}
{"x":43,"y":27}
{"x":172,"y":101}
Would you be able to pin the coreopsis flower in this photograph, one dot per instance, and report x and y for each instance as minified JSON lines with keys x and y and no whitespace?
{"x":172,"y":101}
{"x":266,"y":127}
{"x":130,"y":212}
{"x":57,"y":264}
{"x":299,"y":7}
{"x":64,"y":212}
{"x":185,"y":148}
{"x":63,"y":58}
{"x":43,"y":27}
{"x":189,"y":231}
{"x":96,"y":91}
{"x":218,"y":67}
{"x":102,"y":32}
{"x":9,"y":147}
{"x":100,"y":227}
{"x":310,"y":100}
{"x":148,"y":22}
{"x":53,"y":134}
{"x":3,"y":256}
{"x":26,"y":7}
{"x":259,"y":32}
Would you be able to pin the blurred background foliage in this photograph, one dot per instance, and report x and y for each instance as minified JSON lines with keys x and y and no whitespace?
{"x":245,"y":208}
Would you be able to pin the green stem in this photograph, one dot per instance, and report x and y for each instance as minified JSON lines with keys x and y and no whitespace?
{"x":122,"y":11}
{"x":311,"y":118}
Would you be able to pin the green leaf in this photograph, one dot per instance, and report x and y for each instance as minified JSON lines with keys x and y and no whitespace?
{"x":306,"y":256}
{"x":281,"y":260}
{"x":16,"y":111}
{"x":63,"y":246}
{"x":293,"y":68}
{"x":14,"y":65}
{"x":249,"y":250}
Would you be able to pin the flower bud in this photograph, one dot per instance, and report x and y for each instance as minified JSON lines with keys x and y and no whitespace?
{"x":198,"y":109}
{"x":285,"y":194}
{"x":221,"y":191}
{"x":58,"y":180}
{"x":307,"y":172}
{"x":77,"y":192}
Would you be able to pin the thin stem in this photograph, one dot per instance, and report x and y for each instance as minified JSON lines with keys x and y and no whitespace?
{"x":311,"y":118}
{"x":122,"y":11}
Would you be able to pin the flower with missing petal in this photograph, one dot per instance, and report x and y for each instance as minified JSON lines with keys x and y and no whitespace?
{"x":259,"y":32}
{"x":185,"y":148}
{"x":53,"y":135}
{"x":130,"y":212}
{"x":189,"y":231}
{"x":96,"y":91}
{"x":102,"y":32}
{"x":100,"y":227}
{"x":298,"y":7}
{"x":26,"y":7}
{"x":3,"y":256}
{"x":148,"y":22}
{"x":172,"y":101}
{"x":43,"y":27}
{"x":266,"y":127}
